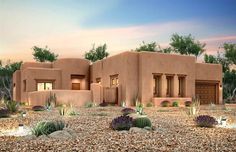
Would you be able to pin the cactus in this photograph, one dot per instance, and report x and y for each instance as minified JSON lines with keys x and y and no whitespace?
{"x":142,"y":122}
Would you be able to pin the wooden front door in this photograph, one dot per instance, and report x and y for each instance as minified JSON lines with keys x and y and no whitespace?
{"x":206,"y":92}
{"x":75,"y":86}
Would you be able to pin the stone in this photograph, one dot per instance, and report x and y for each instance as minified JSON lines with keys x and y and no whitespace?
{"x":71,"y":132}
{"x":43,"y":137}
{"x":61,"y":134}
{"x":29,"y":137}
{"x":147,"y":128}
{"x":137,"y":130}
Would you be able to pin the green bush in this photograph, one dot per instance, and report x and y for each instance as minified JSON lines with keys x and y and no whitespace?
{"x":142,"y":122}
{"x":12,"y":106}
{"x":89,"y":105}
{"x":47,"y":127}
{"x":175,"y":104}
{"x":165,"y":103}
{"x":149,"y":104}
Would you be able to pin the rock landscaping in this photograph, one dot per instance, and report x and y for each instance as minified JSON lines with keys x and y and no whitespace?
{"x":171,"y":129}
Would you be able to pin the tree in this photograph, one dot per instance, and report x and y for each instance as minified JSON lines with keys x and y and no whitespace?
{"x":226,"y":59}
{"x":149,"y":47}
{"x":6,"y":73}
{"x":230,"y":52}
{"x":43,"y":54}
{"x":97,"y":53}
{"x":186,"y":45}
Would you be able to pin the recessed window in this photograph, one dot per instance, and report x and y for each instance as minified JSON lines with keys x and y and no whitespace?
{"x":98,"y":80}
{"x":181,"y":86}
{"x":41,"y":86}
{"x":156,"y":85}
{"x":169,"y":80}
{"x":24,"y":85}
{"x":77,"y":82}
{"x":114,"y":80}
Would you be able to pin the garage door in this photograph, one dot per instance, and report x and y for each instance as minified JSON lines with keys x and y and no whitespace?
{"x":206,"y":92}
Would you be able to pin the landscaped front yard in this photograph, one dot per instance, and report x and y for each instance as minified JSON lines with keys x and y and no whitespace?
{"x":174,"y":130}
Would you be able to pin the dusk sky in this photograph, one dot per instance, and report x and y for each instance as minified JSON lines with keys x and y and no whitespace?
{"x":70,"y":27}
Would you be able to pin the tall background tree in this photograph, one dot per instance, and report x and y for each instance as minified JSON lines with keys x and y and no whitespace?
{"x":186,"y":45}
{"x":228,"y":60}
{"x":97,"y":53}
{"x":44,"y":54}
{"x":6,"y":83}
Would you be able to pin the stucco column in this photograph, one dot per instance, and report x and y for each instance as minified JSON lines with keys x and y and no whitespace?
{"x":176,"y":86}
{"x":163,"y":86}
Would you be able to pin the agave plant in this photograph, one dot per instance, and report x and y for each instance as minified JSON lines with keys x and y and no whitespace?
{"x":122,"y":123}
{"x":12,"y":106}
{"x":127,"y":111}
{"x":205,"y":121}
{"x":47,"y":127}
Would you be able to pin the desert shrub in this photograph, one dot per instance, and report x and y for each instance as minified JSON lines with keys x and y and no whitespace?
{"x":175,"y":104}
{"x":142,"y":122}
{"x":149,"y":104}
{"x":103,"y":104}
{"x":194,"y":107}
{"x":139,"y":108}
{"x":127,"y":111}
{"x":47,"y":127}
{"x":188,"y":103}
{"x":51,"y":101}
{"x":122,"y":123}
{"x":38,"y":108}
{"x":123,"y":104}
{"x":205,"y":121}
{"x":63,"y":110}
{"x":4,"y":113}
{"x":165,"y":103}
{"x":12,"y":106}
{"x":89,"y":104}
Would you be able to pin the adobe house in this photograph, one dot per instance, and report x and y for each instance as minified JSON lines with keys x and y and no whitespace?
{"x":128,"y":76}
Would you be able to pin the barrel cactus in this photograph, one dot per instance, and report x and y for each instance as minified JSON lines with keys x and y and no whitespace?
{"x":122,"y":123}
{"x":142,"y":122}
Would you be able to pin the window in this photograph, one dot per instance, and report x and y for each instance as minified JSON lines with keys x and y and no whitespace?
{"x":41,"y":86}
{"x":114,"y":80}
{"x":156,"y":85}
{"x":181,"y":86}
{"x":98,"y":80}
{"x":24,"y":85}
{"x":169,"y":86}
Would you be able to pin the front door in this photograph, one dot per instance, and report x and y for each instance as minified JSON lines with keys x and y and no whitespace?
{"x":75,"y":86}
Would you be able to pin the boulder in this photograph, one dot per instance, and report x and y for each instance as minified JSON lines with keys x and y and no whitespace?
{"x":137,"y":130}
{"x":61,"y":134}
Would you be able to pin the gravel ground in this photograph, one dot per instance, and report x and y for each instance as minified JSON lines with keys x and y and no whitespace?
{"x":175,"y":131}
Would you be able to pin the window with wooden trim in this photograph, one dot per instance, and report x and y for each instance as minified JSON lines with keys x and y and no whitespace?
{"x":41,"y":86}
{"x":181,"y":86}
{"x":169,"y":81}
{"x":156,"y":85}
{"x":114,"y":80}
{"x":98,"y":80}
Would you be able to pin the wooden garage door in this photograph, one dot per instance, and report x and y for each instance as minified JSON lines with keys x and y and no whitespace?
{"x":206,"y":92}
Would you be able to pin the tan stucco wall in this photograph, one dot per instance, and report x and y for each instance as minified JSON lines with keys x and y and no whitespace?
{"x":150,"y":63}
{"x":135,"y":72}
{"x":75,"y":97}
{"x":17,"y":86}
{"x":126,"y":66}
{"x":73,"y":66}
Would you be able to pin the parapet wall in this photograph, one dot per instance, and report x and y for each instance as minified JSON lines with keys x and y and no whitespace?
{"x":77,"y":98}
